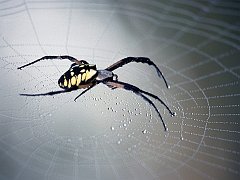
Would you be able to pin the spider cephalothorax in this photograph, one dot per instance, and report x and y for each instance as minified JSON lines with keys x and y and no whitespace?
{"x":82,"y":75}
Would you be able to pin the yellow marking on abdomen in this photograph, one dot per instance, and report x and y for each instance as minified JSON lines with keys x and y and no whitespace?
{"x":73,"y":80}
{"x":78,"y":79}
{"x":90,"y":74}
{"x":83,"y":76}
{"x":69,"y":84}
{"x":65,"y":82}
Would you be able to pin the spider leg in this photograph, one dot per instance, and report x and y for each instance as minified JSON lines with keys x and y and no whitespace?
{"x":90,"y":87}
{"x":70,"y":58}
{"x":146,"y":60}
{"x":118,"y":84}
{"x":150,"y":102}
{"x":49,"y":93}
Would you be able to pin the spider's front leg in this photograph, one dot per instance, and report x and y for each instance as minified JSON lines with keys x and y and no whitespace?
{"x":70,"y":58}
{"x":144,"y":60}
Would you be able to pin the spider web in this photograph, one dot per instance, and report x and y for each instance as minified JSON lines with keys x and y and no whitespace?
{"x":114,"y":134}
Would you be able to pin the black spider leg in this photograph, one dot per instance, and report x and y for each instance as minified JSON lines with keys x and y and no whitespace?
{"x":70,"y":58}
{"x":151,"y":103}
{"x":146,"y":60}
{"x":49,"y":93}
{"x":118,"y":84}
{"x":90,"y":87}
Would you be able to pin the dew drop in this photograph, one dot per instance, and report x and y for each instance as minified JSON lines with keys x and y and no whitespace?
{"x":124,"y":125}
{"x":181,"y":138}
{"x":119,"y":141}
{"x":112,"y":128}
{"x":144,"y":131}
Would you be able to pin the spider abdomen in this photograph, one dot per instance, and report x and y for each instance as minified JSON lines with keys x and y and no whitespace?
{"x":78,"y":77}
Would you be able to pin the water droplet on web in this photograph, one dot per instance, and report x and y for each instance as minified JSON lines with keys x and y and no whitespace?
{"x":144,"y":131}
{"x":181,"y":138}
{"x":124,"y":125}
{"x":112,"y":128}
{"x":119,"y":141}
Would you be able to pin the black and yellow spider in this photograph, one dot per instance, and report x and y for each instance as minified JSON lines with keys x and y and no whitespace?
{"x":83,"y":75}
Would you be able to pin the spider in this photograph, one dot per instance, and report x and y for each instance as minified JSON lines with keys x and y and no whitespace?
{"x":82,"y":75}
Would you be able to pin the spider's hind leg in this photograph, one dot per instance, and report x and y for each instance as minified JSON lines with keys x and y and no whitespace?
{"x":118,"y":84}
